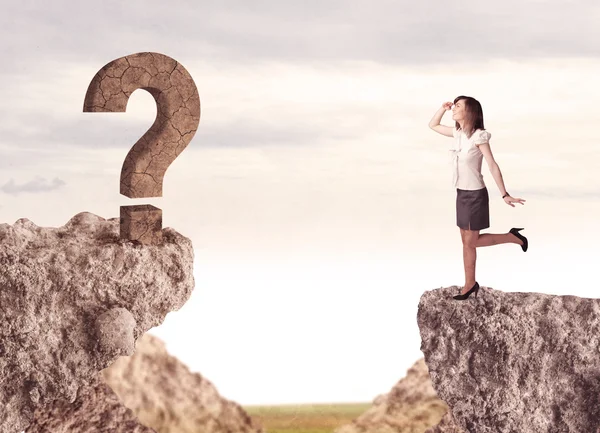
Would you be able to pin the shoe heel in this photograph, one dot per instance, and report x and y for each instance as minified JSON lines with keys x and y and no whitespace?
{"x":515,"y":231}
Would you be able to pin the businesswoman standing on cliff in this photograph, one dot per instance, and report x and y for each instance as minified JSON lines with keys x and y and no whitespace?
{"x":471,"y":144}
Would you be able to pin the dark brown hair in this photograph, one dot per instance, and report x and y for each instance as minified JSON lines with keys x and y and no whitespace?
{"x":474,"y":114}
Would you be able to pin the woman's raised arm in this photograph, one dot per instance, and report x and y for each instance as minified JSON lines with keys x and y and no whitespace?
{"x":434,"y":123}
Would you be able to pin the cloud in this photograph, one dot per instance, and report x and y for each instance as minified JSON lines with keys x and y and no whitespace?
{"x":37,"y":185}
{"x":386,"y":31}
{"x":106,"y":133}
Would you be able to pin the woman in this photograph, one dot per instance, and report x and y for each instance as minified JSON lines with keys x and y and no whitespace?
{"x":472,"y":200}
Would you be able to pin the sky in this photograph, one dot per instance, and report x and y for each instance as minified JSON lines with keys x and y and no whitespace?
{"x":318,"y":201}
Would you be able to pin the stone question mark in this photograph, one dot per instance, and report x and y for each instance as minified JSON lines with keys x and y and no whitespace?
{"x":177,"y":119}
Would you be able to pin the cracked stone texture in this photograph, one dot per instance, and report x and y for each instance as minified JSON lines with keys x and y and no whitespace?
{"x":163,"y":393}
{"x":95,"y":410}
{"x":72,"y":300}
{"x":410,"y":407}
{"x":514,"y":362}
{"x":177,"y":115}
{"x":142,"y":223}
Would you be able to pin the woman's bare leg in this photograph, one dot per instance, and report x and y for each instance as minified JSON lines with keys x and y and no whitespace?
{"x":471,"y":241}
{"x":469,"y":238}
{"x":488,"y":239}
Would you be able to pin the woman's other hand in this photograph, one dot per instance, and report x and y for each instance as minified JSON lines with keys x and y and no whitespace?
{"x":510,"y":200}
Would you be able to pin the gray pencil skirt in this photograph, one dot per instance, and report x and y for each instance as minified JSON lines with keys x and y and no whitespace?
{"x":472,"y":209}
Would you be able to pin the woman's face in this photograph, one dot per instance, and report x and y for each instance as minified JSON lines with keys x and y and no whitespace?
{"x":458,"y":111}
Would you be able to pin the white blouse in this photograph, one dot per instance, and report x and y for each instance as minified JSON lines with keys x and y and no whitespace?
{"x":467,"y":159}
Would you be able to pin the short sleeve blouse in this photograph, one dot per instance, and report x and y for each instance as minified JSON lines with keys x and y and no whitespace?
{"x":481,"y":137}
{"x":467,"y":158}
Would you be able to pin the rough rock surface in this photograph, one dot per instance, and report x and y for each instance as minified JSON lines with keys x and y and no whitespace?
{"x":514,"y":362}
{"x":73,"y":299}
{"x":163,"y":393}
{"x":446,"y":425}
{"x":95,"y":410}
{"x":410,"y":407}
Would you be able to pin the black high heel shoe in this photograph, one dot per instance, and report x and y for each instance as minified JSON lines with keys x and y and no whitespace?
{"x":515,"y":232}
{"x":475,"y":289}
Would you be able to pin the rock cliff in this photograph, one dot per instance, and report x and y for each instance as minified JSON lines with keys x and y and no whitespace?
{"x":156,"y":393}
{"x":508,"y":362}
{"x":410,"y":407}
{"x":165,"y":395}
{"x":72,"y":300}
{"x":96,"y":409}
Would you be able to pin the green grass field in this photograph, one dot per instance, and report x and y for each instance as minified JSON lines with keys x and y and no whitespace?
{"x":306,"y":418}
